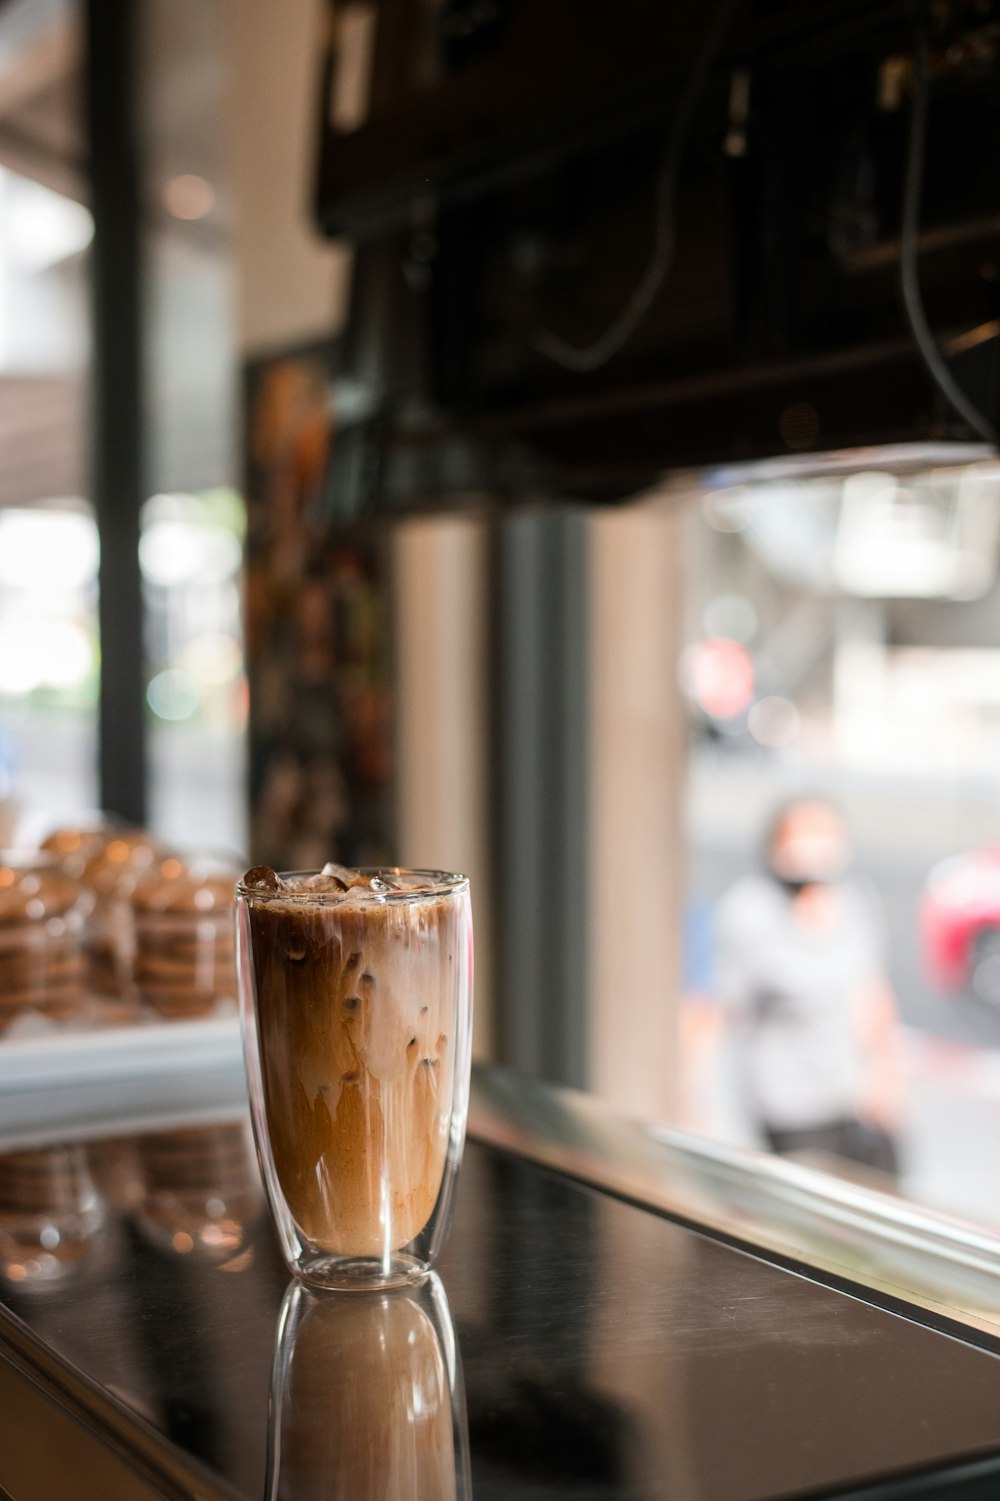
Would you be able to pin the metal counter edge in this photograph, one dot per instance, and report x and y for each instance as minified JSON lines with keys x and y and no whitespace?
{"x":881,"y":1248}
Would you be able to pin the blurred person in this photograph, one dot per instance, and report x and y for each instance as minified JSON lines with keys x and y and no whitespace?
{"x":802,"y":983}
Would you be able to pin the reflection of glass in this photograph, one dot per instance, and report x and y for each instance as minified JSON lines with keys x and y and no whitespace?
{"x":50,"y":1213}
{"x":114,"y":1164}
{"x":367,"y":1399}
{"x":200,"y":1189}
{"x":356,"y":994}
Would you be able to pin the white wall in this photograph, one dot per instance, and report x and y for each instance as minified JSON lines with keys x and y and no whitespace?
{"x":636,"y":839}
{"x":292,"y":286}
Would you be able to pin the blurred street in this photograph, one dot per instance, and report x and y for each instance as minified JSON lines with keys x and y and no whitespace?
{"x":902,"y":827}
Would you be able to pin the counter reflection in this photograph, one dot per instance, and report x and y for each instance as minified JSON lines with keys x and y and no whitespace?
{"x":52,"y":1218}
{"x":199,"y":1189}
{"x":367,"y":1399}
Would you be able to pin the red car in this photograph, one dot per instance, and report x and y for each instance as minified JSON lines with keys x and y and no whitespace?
{"x":960,"y":924}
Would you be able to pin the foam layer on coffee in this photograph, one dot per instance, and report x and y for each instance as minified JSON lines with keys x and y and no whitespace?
{"x":356,"y":984}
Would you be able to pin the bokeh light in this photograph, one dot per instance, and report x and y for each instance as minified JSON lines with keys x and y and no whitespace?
{"x":731,"y":615}
{"x":50,"y":550}
{"x":173,"y":694}
{"x":43,"y":654}
{"x":176,"y":552}
{"x":188,"y":196}
{"x":718,"y":674}
{"x":213,"y":659}
{"x":773,"y":721}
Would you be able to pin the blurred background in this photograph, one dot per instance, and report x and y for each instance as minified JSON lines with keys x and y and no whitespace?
{"x":393,"y":471}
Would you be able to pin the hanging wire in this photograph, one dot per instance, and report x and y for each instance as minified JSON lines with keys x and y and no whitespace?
{"x":916,"y":152}
{"x":591,"y":356}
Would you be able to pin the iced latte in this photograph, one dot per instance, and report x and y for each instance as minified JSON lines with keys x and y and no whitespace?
{"x":356,"y":994}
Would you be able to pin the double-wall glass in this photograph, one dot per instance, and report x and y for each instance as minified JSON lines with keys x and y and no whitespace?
{"x":356,"y":998}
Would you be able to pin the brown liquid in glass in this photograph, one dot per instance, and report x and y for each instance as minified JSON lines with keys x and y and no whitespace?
{"x":355,"y":1017}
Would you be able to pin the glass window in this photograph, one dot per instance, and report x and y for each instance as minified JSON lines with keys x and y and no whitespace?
{"x":193,"y":522}
{"x":49,"y":655}
{"x":841,"y":682}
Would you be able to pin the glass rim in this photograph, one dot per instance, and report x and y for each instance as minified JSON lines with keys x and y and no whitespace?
{"x":438,"y":883}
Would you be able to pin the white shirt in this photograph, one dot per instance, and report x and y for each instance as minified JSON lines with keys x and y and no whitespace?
{"x":791,"y":994}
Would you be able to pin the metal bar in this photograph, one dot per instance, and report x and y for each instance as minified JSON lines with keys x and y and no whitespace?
{"x":887,"y":252}
{"x":540,"y":793}
{"x":891,"y":1252}
{"x":562,"y":662}
{"x":117,"y":428}
{"x":732,"y":380}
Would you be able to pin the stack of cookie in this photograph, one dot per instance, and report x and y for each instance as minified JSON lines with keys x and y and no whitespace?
{"x":75,"y":844}
{"x":42,"y":967}
{"x":110,"y":874}
{"x":184,"y":943}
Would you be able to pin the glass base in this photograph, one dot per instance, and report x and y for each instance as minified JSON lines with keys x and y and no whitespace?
{"x":363,"y":1274}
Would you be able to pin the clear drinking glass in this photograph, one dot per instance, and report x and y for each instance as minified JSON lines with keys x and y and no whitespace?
{"x":356,"y":1001}
{"x":367,"y":1400}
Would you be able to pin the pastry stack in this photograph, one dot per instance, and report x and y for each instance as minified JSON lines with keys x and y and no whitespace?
{"x":110,"y":876}
{"x":42,"y":967}
{"x":184,"y":943}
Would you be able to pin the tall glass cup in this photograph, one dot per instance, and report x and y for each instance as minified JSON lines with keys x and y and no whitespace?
{"x":356,"y":1001}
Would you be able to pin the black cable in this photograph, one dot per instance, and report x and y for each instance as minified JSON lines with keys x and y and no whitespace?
{"x":617,"y":334}
{"x":908,"y":252}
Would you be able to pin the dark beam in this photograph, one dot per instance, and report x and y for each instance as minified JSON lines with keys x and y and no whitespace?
{"x":117,"y":427}
{"x":540,"y":792}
